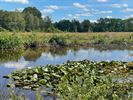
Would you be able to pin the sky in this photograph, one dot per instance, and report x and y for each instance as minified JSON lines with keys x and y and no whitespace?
{"x":75,"y":9}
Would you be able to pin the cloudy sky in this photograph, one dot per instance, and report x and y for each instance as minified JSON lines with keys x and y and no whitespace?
{"x":79,"y":9}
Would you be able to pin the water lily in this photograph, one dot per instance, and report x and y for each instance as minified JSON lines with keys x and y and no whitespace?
{"x":29,"y":67}
{"x":86,"y":78}
{"x":35,"y":76}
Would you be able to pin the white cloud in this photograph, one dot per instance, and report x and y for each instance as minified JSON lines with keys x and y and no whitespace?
{"x":103,"y":12}
{"x":119,"y":5}
{"x":81,"y":6}
{"x":53,"y":7}
{"x":65,"y":18}
{"x":125,"y":5}
{"x":86,"y":9}
{"x":17,"y":1}
{"x":93,"y":21}
{"x":96,"y":11}
{"x":70,"y":15}
{"x":50,"y":9}
{"x":78,"y":15}
{"x":20,"y":9}
{"x":108,"y":16}
{"x":83,"y":14}
{"x":47,"y":11}
{"x":78,"y":5}
{"x":130,"y":16}
{"x":102,"y":0}
{"x":75,"y":17}
{"x":128,"y":10}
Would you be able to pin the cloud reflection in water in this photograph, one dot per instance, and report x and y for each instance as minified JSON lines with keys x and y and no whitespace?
{"x":16,"y":65}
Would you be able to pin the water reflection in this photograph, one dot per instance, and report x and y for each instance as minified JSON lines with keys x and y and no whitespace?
{"x":16,"y":65}
{"x":10,"y":55}
{"x":34,"y":54}
{"x":18,"y":59}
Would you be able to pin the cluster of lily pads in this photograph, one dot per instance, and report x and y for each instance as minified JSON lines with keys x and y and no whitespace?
{"x":76,"y":79}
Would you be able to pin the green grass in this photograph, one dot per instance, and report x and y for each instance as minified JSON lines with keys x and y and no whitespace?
{"x":16,"y":40}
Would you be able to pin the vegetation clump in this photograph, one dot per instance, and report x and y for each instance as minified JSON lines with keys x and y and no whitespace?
{"x":55,"y":40}
{"x":76,"y":79}
{"x":9,"y":41}
{"x":2,"y":29}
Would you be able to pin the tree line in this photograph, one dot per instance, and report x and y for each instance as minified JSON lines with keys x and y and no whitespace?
{"x":30,"y":19}
{"x":102,"y":25}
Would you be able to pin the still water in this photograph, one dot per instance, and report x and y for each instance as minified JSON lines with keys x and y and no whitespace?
{"x":19,"y":59}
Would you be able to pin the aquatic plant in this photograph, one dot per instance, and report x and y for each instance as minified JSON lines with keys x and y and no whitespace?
{"x":76,"y":79}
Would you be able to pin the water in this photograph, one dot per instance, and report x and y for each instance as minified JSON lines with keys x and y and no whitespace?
{"x":18,"y":59}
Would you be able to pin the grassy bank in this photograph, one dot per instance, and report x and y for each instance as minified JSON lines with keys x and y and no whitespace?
{"x":81,"y":80}
{"x":24,"y":40}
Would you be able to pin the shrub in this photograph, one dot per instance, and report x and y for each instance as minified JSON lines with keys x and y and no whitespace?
{"x":53,"y":30}
{"x":55,"y":40}
{"x":31,"y":41}
{"x":2,"y":29}
{"x":9,"y":42}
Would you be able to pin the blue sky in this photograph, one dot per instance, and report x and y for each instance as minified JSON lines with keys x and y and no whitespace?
{"x":78,"y":9}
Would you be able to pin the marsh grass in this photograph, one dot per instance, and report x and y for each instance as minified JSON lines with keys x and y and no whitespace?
{"x":16,"y":40}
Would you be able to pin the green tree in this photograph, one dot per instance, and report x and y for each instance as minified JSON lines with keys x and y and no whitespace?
{"x":32,"y":18}
{"x":64,"y":25}
{"x":12,"y":21}
{"x":86,"y":26}
{"x":29,"y":20}
{"x":33,"y":10}
{"x":47,"y":22}
{"x":128,"y":25}
{"x":76,"y":26}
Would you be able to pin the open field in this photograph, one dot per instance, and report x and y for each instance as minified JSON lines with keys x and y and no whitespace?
{"x":14,"y":40}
